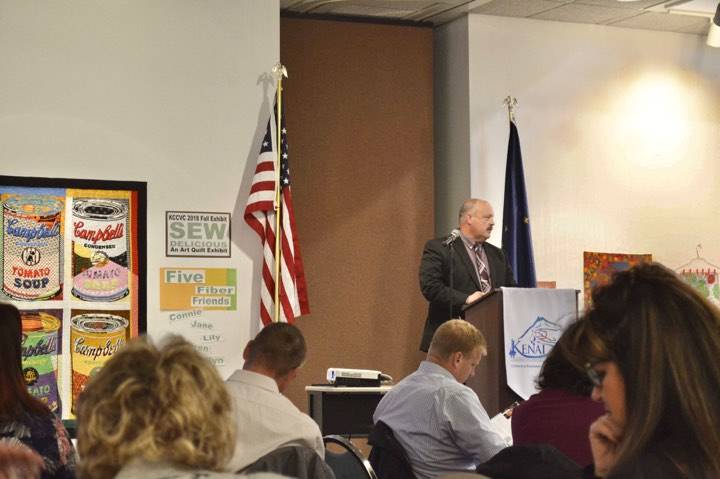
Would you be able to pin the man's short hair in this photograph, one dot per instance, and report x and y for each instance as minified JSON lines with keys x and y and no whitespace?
{"x":457,"y":335}
{"x":278,"y":346}
{"x":468,"y":207}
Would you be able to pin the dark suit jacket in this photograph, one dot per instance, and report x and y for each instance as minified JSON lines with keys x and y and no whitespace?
{"x":435,"y":282}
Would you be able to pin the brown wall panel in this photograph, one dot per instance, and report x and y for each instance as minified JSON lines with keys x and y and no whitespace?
{"x":358,"y":107}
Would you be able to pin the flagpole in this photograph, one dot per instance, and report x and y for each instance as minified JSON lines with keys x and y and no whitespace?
{"x":511,"y":103}
{"x":279,"y":71}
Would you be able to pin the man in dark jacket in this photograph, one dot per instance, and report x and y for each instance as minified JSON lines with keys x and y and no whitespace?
{"x":478,"y":267}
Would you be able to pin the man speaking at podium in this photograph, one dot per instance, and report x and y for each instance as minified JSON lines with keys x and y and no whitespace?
{"x":477,"y":267}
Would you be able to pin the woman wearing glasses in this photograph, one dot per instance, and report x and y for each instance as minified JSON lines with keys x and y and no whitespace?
{"x":651,"y":347}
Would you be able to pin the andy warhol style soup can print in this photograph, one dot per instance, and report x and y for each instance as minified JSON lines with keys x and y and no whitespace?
{"x":39,"y":356}
{"x":94,"y":338}
{"x":32,"y":247}
{"x":100,"y":249}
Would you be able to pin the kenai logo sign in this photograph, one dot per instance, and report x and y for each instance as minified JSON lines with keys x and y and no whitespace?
{"x":537,"y":340}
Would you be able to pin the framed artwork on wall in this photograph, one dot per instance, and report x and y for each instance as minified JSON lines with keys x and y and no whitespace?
{"x":73,"y":254}
{"x":598,"y":269}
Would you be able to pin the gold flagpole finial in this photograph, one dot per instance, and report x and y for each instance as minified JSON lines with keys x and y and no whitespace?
{"x":279,"y":71}
{"x":511,"y":102}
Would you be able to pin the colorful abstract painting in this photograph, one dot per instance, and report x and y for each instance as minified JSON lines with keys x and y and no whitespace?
{"x":598,"y":268}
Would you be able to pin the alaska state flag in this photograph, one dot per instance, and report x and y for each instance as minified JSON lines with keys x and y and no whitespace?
{"x":516,"y":238}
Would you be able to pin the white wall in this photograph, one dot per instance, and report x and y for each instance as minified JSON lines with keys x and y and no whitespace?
{"x":620,"y":132}
{"x":164,"y":91}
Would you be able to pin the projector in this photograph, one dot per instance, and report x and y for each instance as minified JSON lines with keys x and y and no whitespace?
{"x":354,"y":377}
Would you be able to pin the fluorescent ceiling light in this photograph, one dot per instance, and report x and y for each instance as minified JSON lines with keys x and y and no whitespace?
{"x":697,"y":8}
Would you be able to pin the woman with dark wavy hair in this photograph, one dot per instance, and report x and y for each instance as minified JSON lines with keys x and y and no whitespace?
{"x":561,"y":412}
{"x":26,"y":422}
{"x":651,"y":344}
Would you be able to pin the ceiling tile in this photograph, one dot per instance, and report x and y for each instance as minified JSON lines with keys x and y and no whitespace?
{"x":409,"y":4}
{"x":635,"y":14}
{"x":699,"y":28}
{"x":574,"y":12}
{"x":516,"y":8}
{"x":285,"y":4}
{"x":639,"y":6}
{"x":350,"y":9}
{"x":398,"y":4}
{"x":662,"y":21}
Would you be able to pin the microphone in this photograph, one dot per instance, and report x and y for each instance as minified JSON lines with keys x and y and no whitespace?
{"x":451,"y":237}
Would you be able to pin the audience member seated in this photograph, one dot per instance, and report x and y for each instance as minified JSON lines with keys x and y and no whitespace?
{"x":651,"y":345}
{"x":440,"y":423}
{"x":561,"y":413}
{"x":155,"y":412}
{"x":267,"y":420}
{"x":24,"y":419}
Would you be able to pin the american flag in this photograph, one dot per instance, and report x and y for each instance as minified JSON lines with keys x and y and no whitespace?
{"x":260,"y":215}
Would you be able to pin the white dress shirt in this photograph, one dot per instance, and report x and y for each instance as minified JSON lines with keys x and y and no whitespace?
{"x":440,"y":423}
{"x":266,"y":420}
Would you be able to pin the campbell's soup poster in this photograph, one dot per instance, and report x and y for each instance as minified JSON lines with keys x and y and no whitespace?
{"x":94,"y":337}
{"x":70,"y":265}
{"x":32,"y":244}
{"x":41,"y":346}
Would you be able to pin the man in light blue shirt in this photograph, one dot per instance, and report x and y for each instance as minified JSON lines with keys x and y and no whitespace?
{"x":438,"y":420}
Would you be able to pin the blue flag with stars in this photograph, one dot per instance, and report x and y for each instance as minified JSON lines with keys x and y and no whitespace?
{"x":516,"y":237}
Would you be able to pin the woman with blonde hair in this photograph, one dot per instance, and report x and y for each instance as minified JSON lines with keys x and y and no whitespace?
{"x":155,"y":412}
{"x":650,"y":344}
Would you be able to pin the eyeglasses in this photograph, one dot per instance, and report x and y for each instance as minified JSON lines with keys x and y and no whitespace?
{"x":596,"y":378}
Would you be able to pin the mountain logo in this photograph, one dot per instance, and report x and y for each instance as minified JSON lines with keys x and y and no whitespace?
{"x":537,"y":340}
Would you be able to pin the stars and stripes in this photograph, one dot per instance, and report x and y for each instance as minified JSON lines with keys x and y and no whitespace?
{"x":260,"y":215}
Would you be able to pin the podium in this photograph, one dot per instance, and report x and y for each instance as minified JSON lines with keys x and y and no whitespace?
{"x":489,"y":380}
{"x":531,"y":306}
